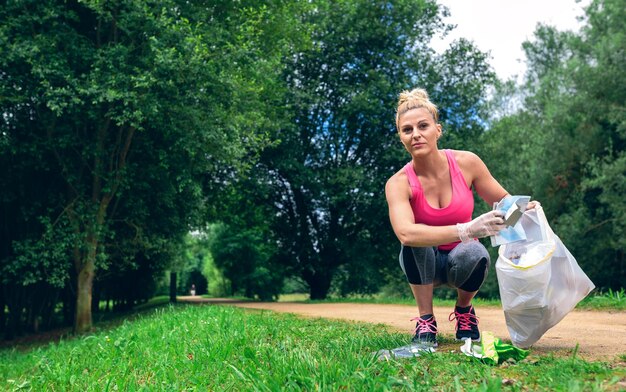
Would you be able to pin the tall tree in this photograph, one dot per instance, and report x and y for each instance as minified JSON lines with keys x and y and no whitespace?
{"x":328,"y":172}
{"x":569,"y":138}
{"x":105,"y":93}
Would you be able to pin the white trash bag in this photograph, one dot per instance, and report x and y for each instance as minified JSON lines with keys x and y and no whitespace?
{"x":540,"y":281}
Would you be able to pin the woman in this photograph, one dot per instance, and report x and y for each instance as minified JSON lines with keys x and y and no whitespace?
{"x":430,"y":207}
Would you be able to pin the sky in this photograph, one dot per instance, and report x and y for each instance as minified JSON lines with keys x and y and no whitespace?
{"x":500,"y":26}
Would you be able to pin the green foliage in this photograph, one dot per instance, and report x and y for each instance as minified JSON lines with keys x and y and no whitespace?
{"x":199,"y":268}
{"x":41,"y":260}
{"x":218,"y":285}
{"x":242,"y":350}
{"x":320,"y":188}
{"x":243,"y":257}
{"x":128,"y":123}
{"x":191,"y":273}
{"x":565,"y":147}
{"x":117,"y":119}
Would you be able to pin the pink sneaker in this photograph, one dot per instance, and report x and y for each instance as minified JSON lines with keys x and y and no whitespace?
{"x":425,"y":330}
{"x":466,"y":323}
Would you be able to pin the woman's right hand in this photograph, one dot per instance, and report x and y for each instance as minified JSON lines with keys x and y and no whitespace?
{"x":486,"y":225}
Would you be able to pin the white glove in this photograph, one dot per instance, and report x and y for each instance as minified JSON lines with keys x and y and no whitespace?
{"x":485,"y":225}
{"x":533,"y":205}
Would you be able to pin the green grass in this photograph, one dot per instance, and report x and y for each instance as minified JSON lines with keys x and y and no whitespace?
{"x":225,"y":348}
{"x":153,"y":303}
{"x":611,"y":300}
{"x":378,"y":299}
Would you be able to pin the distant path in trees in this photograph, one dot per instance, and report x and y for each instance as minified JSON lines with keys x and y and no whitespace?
{"x":601,"y":335}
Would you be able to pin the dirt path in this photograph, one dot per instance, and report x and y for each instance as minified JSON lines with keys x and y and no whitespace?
{"x":600,"y":335}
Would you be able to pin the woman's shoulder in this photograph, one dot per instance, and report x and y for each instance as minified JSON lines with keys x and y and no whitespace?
{"x":399,"y":176}
{"x":470,"y":164}
{"x":465,"y":156}
{"x":466,"y":159}
{"x":399,"y":181}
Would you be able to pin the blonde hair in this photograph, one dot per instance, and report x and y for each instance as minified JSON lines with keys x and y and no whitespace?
{"x":414,"y":99}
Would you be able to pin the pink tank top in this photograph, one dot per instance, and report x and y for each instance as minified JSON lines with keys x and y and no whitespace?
{"x":459,"y":210}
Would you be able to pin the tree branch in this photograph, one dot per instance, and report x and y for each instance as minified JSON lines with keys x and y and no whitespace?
{"x":597,"y":225}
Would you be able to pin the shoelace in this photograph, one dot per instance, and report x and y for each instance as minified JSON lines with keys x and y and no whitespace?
{"x":465,"y":320}
{"x":427,"y":325}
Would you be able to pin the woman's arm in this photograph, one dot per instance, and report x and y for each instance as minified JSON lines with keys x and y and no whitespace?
{"x":414,"y":234}
{"x":409,"y":233}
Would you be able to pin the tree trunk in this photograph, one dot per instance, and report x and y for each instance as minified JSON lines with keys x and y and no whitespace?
{"x":83,"y":319}
{"x":95,"y":297}
{"x":319,"y":285}
{"x":15,"y":305}
{"x":173,"y":287}
{"x":48,"y":311}
{"x":3,"y":315}
{"x":69,"y":299}
{"x":13,"y":327}
{"x":86,"y":273}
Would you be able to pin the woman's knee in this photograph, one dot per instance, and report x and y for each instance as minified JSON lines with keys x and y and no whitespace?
{"x":472,"y":250}
{"x":468,"y":265}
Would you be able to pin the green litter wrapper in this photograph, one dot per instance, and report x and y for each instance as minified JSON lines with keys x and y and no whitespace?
{"x":491,"y":350}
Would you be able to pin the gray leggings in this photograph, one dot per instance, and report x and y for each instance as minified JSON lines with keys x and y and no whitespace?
{"x":463,"y":267}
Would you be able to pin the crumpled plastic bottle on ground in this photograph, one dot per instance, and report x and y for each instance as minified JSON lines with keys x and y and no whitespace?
{"x":409,"y":351}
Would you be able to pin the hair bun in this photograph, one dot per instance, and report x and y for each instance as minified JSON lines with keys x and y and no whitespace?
{"x":418,"y":94}
{"x":416,"y":98}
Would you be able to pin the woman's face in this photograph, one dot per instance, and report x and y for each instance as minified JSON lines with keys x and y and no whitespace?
{"x":418,"y":131}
